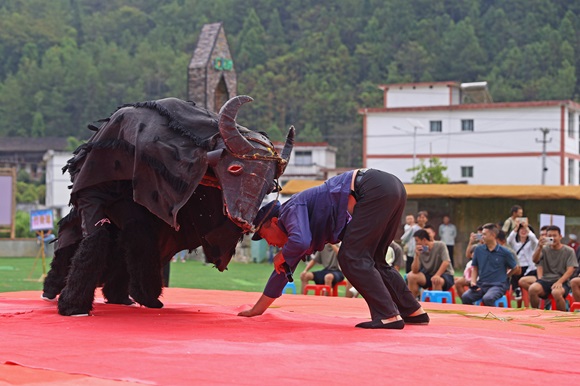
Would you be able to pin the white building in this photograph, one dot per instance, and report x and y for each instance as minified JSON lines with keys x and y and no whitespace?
{"x":480,"y":142}
{"x":310,"y":160}
{"x":57,"y":183}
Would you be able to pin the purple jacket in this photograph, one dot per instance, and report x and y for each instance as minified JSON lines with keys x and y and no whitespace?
{"x":311,"y":219}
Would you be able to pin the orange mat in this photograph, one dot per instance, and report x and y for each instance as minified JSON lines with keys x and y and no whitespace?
{"x":198,"y":339}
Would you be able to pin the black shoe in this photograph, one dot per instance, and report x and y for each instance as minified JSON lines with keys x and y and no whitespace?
{"x":375,"y":324}
{"x":417,"y":319}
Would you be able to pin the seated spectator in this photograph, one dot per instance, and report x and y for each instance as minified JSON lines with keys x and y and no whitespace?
{"x":330,"y":274}
{"x":523,"y":241}
{"x":575,"y":281}
{"x":527,"y":280}
{"x":464,"y":281}
{"x":394,"y":256}
{"x":491,"y":263}
{"x":431,"y":266}
{"x":556,"y":263}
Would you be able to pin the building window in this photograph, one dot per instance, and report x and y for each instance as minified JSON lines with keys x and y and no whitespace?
{"x":571,"y":124}
{"x":571,"y":171}
{"x":467,"y":171}
{"x":467,"y":125}
{"x":435,"y":126}
{"x":303,"y":158}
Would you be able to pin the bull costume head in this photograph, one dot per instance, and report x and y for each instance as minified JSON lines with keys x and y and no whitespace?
{"x":246,"y":165}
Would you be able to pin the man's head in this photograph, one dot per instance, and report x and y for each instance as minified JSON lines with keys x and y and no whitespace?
{"x":544,"y":230}
{"x":266,"y":224}
{"x":422,"y":238}
{"x":422,"y":218}
{"x":446,"y":219}
{"x":410,"y":219}
{"x":554,"y":236}
{"x":501,"y":239}
{"x":431,"y":230}
{"x":489,"y":234}
{"x":517,"y":211}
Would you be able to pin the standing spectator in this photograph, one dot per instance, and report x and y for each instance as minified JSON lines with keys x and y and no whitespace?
{"x":329,"y":275}
{"x":448,"y":233}
{"x":422,"y":218}
{"x":556,"y":263}
{"x":510,"y":223}
{"x":179,"y":256}
{"x":431,"y":267}
{"x":491,"y":263}
{"x":523,"y":241}
{"x":573,"y":243}
{"x":409,"y":241}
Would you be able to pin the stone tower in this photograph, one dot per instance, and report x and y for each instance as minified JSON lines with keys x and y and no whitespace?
{"x":211,"y":76}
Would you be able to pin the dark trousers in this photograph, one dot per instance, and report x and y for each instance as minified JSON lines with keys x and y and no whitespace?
{"x":375,"y":220}
{"x":450,"y":251}
{"x":487,"y":293}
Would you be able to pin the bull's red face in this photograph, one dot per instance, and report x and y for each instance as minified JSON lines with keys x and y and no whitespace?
{"x":248,"y":167}
{"x":244,"y":184}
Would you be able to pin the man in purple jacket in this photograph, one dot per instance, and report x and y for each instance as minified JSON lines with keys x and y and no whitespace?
{"x":361,"y":208}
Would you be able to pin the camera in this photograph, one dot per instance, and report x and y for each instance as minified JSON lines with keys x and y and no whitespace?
{"x":425,"y":248}
{"x":478,"y":236}
{"x":549,"y":240}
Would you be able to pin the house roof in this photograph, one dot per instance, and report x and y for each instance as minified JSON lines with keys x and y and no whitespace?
{"x":457,"y":191}
{"x":472,"y":106}
{"x":21,"y":144}
{"x":418,"y":84}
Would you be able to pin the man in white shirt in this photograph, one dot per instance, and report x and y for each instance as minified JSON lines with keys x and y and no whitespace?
{"x":447,"y":234}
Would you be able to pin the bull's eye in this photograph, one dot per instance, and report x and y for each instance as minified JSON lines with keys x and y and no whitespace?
{"x":235,"y":169}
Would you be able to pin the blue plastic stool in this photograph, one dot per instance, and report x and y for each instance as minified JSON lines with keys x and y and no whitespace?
{"x":501,"y":302}
{"x":436,"y":296}
{"x":290,"y":286}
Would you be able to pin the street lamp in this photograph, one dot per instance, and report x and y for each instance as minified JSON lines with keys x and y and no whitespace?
{"x":416,"y":125}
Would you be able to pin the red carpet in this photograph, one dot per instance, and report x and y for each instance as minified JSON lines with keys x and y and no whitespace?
{"x":198,"y":339}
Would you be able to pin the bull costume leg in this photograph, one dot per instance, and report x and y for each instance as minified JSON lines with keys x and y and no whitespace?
{"x":90,"y":258}
{"x":115,"y":278}
{"x":55,"y":280}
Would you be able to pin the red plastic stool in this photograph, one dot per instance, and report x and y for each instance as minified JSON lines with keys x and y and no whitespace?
{"x":335,"y":288}
{"x":575,"y":306}
{"x":319,"y":289}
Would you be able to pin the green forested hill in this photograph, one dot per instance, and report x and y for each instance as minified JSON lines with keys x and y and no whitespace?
{"x":311,"y":63}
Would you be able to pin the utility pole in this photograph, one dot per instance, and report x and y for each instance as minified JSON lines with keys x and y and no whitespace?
{"x":544,"y":142}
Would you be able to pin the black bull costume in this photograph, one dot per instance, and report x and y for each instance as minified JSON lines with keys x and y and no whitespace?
{"x":156,"y":178}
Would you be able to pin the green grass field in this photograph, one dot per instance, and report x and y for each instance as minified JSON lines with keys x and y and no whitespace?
{"x":22,"y":274}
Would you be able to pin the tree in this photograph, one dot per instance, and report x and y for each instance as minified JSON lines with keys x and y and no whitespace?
{"x":430,"y":174}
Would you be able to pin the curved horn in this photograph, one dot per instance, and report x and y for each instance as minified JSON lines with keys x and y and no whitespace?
{"x":234,"y":141}
{"x":289,"y":144}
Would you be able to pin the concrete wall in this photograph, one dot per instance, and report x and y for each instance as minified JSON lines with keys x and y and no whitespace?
{"x":22,"y":248}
